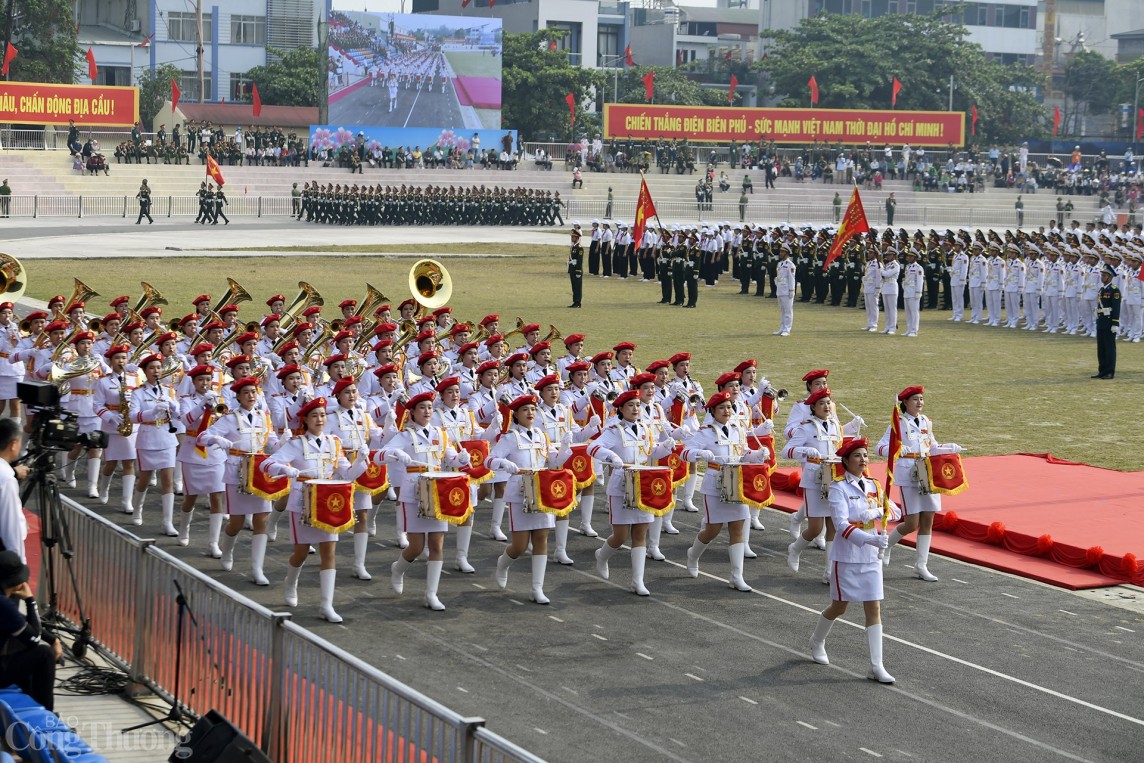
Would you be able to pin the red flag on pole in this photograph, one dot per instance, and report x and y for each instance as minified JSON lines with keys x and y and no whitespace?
{"x":92,"y":69}
{"x":813,"y":85}
{"x":9,"y":57}
{"x":645,"y":208}
{"x":146,"y":41}
{"x":174,"y":95}
{"x":465,"y":3}
{"x":853,"y":223}
{"x":552,"y":45}
{"x":491,"y":3}
{"x":679,"y":58}
{"x":628,"y":60}
{"x":731,"y":91}
{"x":973,"y":120}
{"x":892,"y":454}
{"x":256,"y":98}
{"x":570,"y":99}
{"x":214,"y":171}
{"x":1139,"y":123}
{"x":649,"y":84}
{"x":896,"y":88}
{"x":1056,"y":119}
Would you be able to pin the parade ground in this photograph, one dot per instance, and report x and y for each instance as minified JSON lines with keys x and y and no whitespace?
{"x":989,"y":666}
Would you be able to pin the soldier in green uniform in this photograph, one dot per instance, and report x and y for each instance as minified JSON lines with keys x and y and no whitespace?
{"x":576,"y":269}
{"x":1107,"y":324}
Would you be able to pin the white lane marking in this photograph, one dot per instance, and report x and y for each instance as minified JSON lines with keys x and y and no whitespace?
{"x":748,"y":700}
{"x":919,"y":647}
{"x":671,"y":739}
{"x":1011,"y":596}
{"x":569,"y":689}
{"x":517,"y":603}
{"x":522,"y":667}
{"x":540,"y":730}
{"x":478,"y":585}
{"x":398,"y":656}
{"x":870,"y":752}
{"x":462,"y":689}
{"x":1074,"y":614}
{"x":963,"y":582}
{"x":597,"y":635}
{"x":693,"y":677}
{"x":480,"y":647}
{"x":1121,"y":627}
{"x":646,"y":657}
{"x":804,"y":723}
{"x":554,"y":617}
{"x":412,"y":106}
{"x":835,"y":725}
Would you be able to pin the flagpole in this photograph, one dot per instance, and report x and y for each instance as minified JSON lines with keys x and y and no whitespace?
{"x":643,"y":181}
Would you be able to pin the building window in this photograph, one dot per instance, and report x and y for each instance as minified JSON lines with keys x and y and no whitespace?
{"x":184,"y":27}
{"x":608,"y":45}
{"x":893,"y":7}
{"x":570,"y":41}
{"x":189,"y":86}
{"x":867,"y":9}
{"x":248,"y":30}
{"x":911,"y":7}
{"x":239,"y":89}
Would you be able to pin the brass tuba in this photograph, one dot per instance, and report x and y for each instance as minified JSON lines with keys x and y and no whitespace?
{"x":232,"y":296}
{"x":151,"y":296}
{"x":430,"y":284}
{"x":12,"y":278}
{"x":373,"y":300}
{"x":308,"y":297}
{"x":81,"y":292}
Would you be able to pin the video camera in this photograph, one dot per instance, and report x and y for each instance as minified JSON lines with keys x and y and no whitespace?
{"x":54,"y":428}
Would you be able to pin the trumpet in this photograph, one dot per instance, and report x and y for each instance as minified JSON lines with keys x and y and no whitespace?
{"x":13,"y":278}
{"x":775,"y":394}
{"x":608,"y":396}
{"x":553,"y":334}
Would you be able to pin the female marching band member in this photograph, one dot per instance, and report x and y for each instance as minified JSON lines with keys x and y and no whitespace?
{"x":427,"y":366}
{"x":684,"y":389}
{"x":284,"y":404}
{"x":460,"y":424}
{"x":311,"y":455}
{"x":516,"y":385}
{"x":814,"y":442}
{"x":541,"y":364}
{"x":202,"y":467}
{"x":352,"y":424}
{"x":624,"y":442}
{"x":760,"y":399}
{"x":115,"y":388}
{"x":721,"y":444}
{"x":526,"y":448}
{"x":483,"y":404}
{"x":918,"y":441}
{"x":154,"y":406}
{"x":243,"y":431}
{"x":578,"y":399}
{"x":856,"y":506}
{"x":651,"y":413}
{"x":555,"y":419}
{"x":81,"y":402}
{"x":419,"y":448}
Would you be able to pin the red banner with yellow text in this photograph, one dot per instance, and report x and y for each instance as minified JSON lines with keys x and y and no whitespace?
{"x":703,"y":124}
{"x":42,"y":103}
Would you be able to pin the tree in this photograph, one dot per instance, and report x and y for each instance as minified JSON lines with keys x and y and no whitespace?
{"x":855,"y":59}
{"x":1090,"y":84}
{"x":535,"y":82}
{"x":671,"y":86}
{"x":154,"y":89}
{"x":292,"y":80}
{"x":44,"y":33}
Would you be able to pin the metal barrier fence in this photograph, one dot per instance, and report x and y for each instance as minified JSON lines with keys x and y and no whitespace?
{"x":128,"y":206}
{"x":301,"y":698}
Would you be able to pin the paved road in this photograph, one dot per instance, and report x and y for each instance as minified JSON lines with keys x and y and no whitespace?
{"x":989,"y":667}
{"x":415,"y":108}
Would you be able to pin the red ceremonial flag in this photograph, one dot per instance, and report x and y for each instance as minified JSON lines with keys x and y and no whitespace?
{"x":813,"y":85}
{"x":1139,"y":123}
{"x":174,"y":96}
{"x":465,"y":3}
{"x":731,"y":91}
{"x":9,"y":57}
{"x":146,"y":41}
{"x":853,"y":223}
{"x":1056,"y":119}
{"x":491,"y":3}
{"x":893,"y":451}
{"x":649,"y":84}
{"x":973,"y":120}
{"x":92,"y":69}
{"x":256,"y":98}
{"x":897,"y":88}
{"x":679,"y":58}
{"x":552,"y":45}
{"x":570,"y":99}
{"x":214,"y":171}
{"x":628,"y":56}
{"x":645,"y":208}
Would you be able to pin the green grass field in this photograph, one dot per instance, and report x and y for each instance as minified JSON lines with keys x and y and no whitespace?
{"x":992,"y":390}
{"x":474,"y":64}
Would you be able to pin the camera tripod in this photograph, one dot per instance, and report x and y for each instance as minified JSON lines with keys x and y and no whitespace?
{"x":54,"y":531}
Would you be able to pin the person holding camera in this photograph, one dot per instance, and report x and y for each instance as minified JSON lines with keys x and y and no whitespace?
{"x":28,"y":653}
{"x":13,"y":525}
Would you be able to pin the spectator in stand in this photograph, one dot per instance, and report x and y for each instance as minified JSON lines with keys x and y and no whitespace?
{"x":28,"y":653}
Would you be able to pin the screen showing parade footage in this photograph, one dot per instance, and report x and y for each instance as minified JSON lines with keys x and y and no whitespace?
{"x":405,"y":70}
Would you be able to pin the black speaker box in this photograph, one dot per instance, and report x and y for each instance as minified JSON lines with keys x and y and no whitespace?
{"x":214,"y":739}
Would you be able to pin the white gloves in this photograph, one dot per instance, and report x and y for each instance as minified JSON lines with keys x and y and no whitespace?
{"x":401,"y":457}
{"x":616,"y":462}
{"x":705,"y":455}
{"x":594,"y":421}
{"x":869,"y":515}
{"x":806,"y":453}
{"x":506,"y":466}
{"x":877,"y":540}
{"x":224,"y":443}
{"x":290,"y":472}
{"x":311,"y":473}
{"x":1115,"y":330}
{"x":858,"y":421}
{"x":759,"y":455}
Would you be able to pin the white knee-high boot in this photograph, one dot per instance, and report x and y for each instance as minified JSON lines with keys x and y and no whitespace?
{"x":756,"y":523}
{"x":169,"y":515}
{"x":735,"y":553}
{"x":498,"y":516}
{"x":432,"y":581}
{"x":361,"y":545}
{"x":874,"y":639}
{"x":693,"y":554}
{"x":504,"y":562}
{"x":68,"y":472}
{"x":603,"y":554}
{"x":105,"y":487}
{"x":397,"y":573}
{"x":895,"y":536}
{"x":639,"y":559}
{"x":796,"y":522}
{"x":818,"y":640}
{"x":128,"y":484}
{"x":290,"y":592}
{"x":185,"y":526}
{"x":827,"y":571}
{"x":653,"y":534}
{"x":371,"y":519}
{"x":687,"y":492}
{"x":327,"y":580}
{"x":668,"y":527}
{"x":93,"y":465}
{"x":226,"y":561}
{"x":138,"y":498}
{"x":795,"y":550}
{"x":539,"y":565}
{"x":921,"y":566}
{"x":258,"y":558}
{"x":213,"y":531}
{"x":748,"y":552}
{"x":587,"y":503}
{"x":464,"y":539}
{"x":560,"y":554}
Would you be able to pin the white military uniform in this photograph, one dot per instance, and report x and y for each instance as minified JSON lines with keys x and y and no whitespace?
{"x":855,"y":506}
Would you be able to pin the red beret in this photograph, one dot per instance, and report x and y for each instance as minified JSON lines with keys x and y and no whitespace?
{"x":580,"y":365}
{"x":851,"y":444}
{"x":443,"y":310}
{"x":127,"y":329}
{"x":545,"y":381}
{"x":289,"y":368}
{"x":343,"y":335}
{"x":639,"y":380}
{"x":81,"y":336}
{"x":727,"y":378}
{"x":348,"y":303}
{"x":246,"y":381}
{"x":155,"y":357}
{"x":382,"y":344}
{"x":57,"y":326}
{"x":80,"y":305}
{"x":385,"y":327}
{"x":58,"y":298}
{"x":120,"y":301}
{"x":331,"y":359}
{"x":752,"y":363}
{"x":529,"y":328}
{"x":678,"y":358}
{"x":318,"y":402}
{"x":427,"y":334}
{"x":606,"y":355}
{"x":199,"y":349}
{"x":909,"y":392}
{"x":116,"y":349}
{"x":466,"y":347}
{"x":444,"y":384}
{"x":426,"y":323}
{"x":190,"y":318}
{"x":490,"y":318}
{"x":387,"y":368}
{"x":342,"y":383}
{"x":625,"y":397}
{"x":424,"y":397}
{"x":275,"y":298}
{"x":488,"y":365}
{"x":236,"y":360}
{"x":382,"y":309}
{"x":460,"y":328}
{"x":717,"y":399}
{"x":425,"y":357}
{"x":624,"y":346}
{"x":169,"y":336}
{"x":516,"y":357}
{"x":522,"y":400}
{"x":409,"y":302}
{"x":494,"y":339}
{"x":573,"y":339}
{"x":215,"y":325}
{"x":287,"y":347}
{"x":538,"y":347}
{"x":818,"y":395}
{"x":106,"y":318}
{"x":655,"y":365}
{"x":820,"y":373}
{"x":248,"y":336}
{"x":303,"y":326}
{"x":270,"y":319}
{"x":36,"y":315}
{"x":312,"y":310}
{"x":227,"y":309}
{"x":200,"y":370}
{"x":152,"y":310}
{"x":353,"y":320}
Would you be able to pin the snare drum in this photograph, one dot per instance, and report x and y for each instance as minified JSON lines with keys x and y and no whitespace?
{"x":745,"y":483}
{"x":826,"y":476}
{"x":328,"y":505}
{"x":552,"y":491}
{"x":258,"y":483}
{"x":444,"y":496}
{"x":648,"y":488}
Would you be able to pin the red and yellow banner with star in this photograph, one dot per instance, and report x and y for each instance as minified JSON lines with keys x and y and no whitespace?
{"x":555,"y":491}
{"x":448,"y":498}
{"x":478,"y":451}
{"x":652,"y":490}
{"x":261,"y":484}
{"x":755,"y":485}
{"x":329,"y":505}
{"x":678,"y":466}
{"x":946,"y":474}
{"x":581,"y":466}
{"x":375,"y":479}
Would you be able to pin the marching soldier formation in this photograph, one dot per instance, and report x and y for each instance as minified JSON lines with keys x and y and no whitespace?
{"x":411,"y":417}
{"x":336,"y":204}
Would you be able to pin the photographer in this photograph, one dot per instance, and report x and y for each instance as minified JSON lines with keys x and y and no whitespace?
{"x":28,"y":653}
{"x":13,"y":526}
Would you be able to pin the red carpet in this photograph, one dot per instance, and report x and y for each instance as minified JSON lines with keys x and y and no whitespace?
{"x":1058,"y":522}
{"x":479,"y":92}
